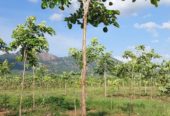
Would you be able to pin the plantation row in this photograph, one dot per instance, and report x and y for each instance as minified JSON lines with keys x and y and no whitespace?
{"x":141,"y":69}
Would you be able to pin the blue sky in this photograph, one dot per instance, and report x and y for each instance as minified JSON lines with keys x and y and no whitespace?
{"x":140,"y":23}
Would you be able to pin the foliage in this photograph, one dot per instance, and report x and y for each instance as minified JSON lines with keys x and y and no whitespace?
{"x":4,"y":68}
{"x":30,"y":37}
{"x":105,"y":63}
{"x":97,"y":14}
{"x":3,"y":46}
{"x":93,"y":52}
{"x":164,"y":78}
{"x":141,"y":61}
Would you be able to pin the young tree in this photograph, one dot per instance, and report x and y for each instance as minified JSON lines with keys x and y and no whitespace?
{"x":164,"y":78}
{"x":30,"y":39}
{"x":94,"y":50}
{"x":142,"y":62}
{"x":105,"y":65}
{"x":4,"y":66}
{"x":4,"y":70}
{"x":90,"y":12}
{"x":146,"y":66}
{"x":132,"y":65}
{"x":65,"y":76}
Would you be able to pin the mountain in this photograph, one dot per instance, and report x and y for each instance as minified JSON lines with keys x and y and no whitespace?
{"x":55,"y":64}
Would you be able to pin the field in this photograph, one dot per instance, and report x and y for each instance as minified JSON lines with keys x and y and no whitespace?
{"x":61,"y":98}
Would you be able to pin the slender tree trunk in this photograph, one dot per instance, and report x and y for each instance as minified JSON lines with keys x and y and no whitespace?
{"x":84,"y":70}
{"x":33,"y":88}
{"x":75,"y":108}
{"x":105,"y":84}
{"x":151,"y":88}
{"x":134,"y":92}
{"x":140,"y":85}
{"x":75,"y":103}
{"x":145,"y":88}
{"x":65,"y":87}
{"x":22,"y":84}
{"x":132,"y":83}
{"x":111,"y":103}
{"x":123,"y":84}
{"x":5,"y":89}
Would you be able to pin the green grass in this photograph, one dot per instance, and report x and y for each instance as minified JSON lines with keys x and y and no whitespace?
{"x":54,"y":102}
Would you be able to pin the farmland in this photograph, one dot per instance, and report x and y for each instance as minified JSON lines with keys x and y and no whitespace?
{"x":55,"y":96}
{"x":53,"y":63}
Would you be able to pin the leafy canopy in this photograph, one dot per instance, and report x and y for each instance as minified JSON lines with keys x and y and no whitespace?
{"x":97,"y":13}
{"x":30,"y":37}
{"x":93,"y":52}
{"x":3,"y":46}
{"x":4,"y":68}
{"x":142,"y":61}
{"x":105,"y":63}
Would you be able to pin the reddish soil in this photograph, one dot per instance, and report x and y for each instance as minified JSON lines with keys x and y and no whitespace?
{"x":3,"y":113}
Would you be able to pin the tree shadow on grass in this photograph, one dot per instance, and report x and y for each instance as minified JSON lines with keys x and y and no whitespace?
{"x":102,"y":113}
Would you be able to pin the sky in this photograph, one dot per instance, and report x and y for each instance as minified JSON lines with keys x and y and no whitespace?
{"x":140,"y":23}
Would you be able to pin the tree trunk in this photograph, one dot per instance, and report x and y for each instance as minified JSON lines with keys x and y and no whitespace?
{"x":84,"y":70}
{"x":111,"y":102}
{"x":134,"y":82}
{"x":145,"y":88}
{"x":140,"y":84}
{"x":33,"y":88}
{"x":151,"y":94}
{"x":65,"y":87}
{"x":123,"y":84}
{"x":75,"y":103}
{"x":105,"y":84}
{"x":22,"y":84}
{"x":75,"y":108}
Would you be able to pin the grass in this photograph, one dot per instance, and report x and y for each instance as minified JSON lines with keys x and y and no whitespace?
{"x":53,"y":102}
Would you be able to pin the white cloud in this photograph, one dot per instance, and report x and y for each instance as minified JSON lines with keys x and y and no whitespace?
{"x":128,"y":7}
{"x":166,"y":25}
{"x":165,"y":2}
{"x":74,"y":5}
{"x":149,"y":26}
{"x":152,"y":27}
{"x":56,"y":17}
{"x":33,"y":1}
